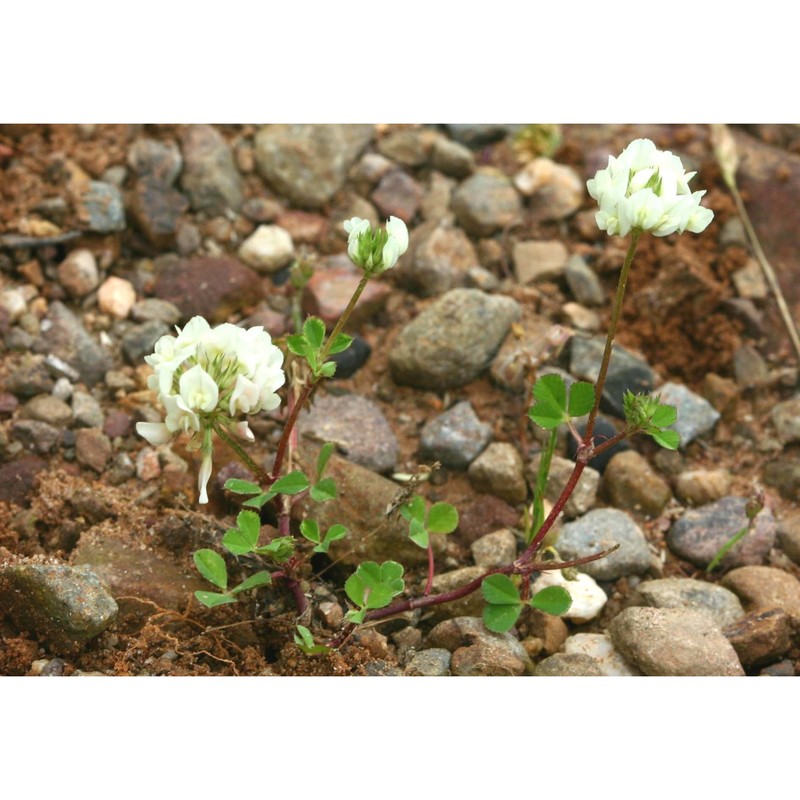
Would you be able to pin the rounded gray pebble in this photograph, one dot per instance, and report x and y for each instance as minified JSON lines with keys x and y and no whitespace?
{"x":456,"y":437}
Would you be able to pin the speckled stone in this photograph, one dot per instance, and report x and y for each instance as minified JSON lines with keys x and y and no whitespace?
{"x":47,"y":408}
{"x":456,"y":437}
{"x":495,"y":549}
{"x":486,"y":202}
{"x":700,"y":532}
{"x":101,"y":209}
{"x":766,"y":587}
{"x":67,"y":606}
{"x":631,"y":483}
{"x":86,"y":410}
{"x":672,"y":641}
{"x":761,"y":637}
{"x":696,"y":416}
{"x":92,"y":448}
{"x":498,"y":470}
{"x":431,"y":663}
{"x":598,"y":530}
{"x":599,"y":647}
{"x":397,"y":195}
{"x":210,"y":178}
{"x":564,"y":665}
{"x":140,"y":340}
{"x":584,"y":495}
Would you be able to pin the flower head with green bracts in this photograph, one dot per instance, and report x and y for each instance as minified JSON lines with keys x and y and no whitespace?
{"x":375,"y":251}
{"x":647,"y":189}
{"x":207,"y":378}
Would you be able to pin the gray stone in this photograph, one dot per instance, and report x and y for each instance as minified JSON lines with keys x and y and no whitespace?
{"x":152,"y":309}
{"x":789,"y":537}
{"x":64,"y":336}
{"x":397,"y":195}
{"x":47,"y":408}
{"x":410,"y":147}
{"x":140,"y":340}
{"x":86,"y":411}
{"x":721,"y":605}
{"x":456,"y":437}
{"x":631,"y":483}
{"x":436,"y":202}
{"x":583,"y":496}
{"x":356,"y":425}
{"x":157,"y":209}
{"x":101,"y":208}
{"x":696,"y":415}
{"x":498,"y":470}
{"x":34,"y":435}
{"x":584,"y":283}
{"x":580,"y":317}
{"x":431,"y":663}
{"x":761,"y":588}
{"x":599,"y":647}
{"x":67,"y":606}
{"x":598,"y":530}
{"x":749,"y":366}
{"x":452,"y":341}
{"x":210,"y":178}
{"x":470,"y":605}
{"x":749,"y":280}
{"x":701,"y":532}
{"x":452,"y":158}
{"x":486,"y":202}
{"x":673,"y":642}
{"x":495,"y":549}
{"x":786,"y":419}
{"x":309,"y":163}
{"x":539,"y":261}
{"x":31,"y":377}
{"x":565,"y":665}
{"x":155,"y":159}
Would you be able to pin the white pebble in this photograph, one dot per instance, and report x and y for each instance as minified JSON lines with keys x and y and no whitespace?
{"x":268,"y":249}
{"x":588,"y":598}
{"x":116,"y":297}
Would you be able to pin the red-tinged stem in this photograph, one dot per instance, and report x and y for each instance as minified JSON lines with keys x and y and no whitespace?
{"x":429,"y":584}
{"x":617,"y":437}
{"x":287,"y":431}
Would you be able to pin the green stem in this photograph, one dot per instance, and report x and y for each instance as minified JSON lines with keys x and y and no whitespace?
{"x":612,"y":330}
{"x":258,"y":471}
{"x":343,"y":319}
{"x":541,"y":484}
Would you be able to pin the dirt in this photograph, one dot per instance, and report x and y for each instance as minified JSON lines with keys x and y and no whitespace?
{"x":674,"y":314}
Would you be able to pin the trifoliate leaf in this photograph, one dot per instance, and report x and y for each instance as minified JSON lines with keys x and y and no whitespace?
{"x":670,"y":440}
{"x":212,"y":567}
{"x":310,"y":529}
{"x":442,"y":518}
{"x":340,"y":343}
{"x":262,"y":578}
{"x":328,"y":369}
{"x":418,"y":533}
{"x":500,"y":590}
{"x":335,"y":532}
{"x":293,"y":483}
{"x":211,"y":599}
{"x":314,"y":332}
{"x":374,"y":585}
{"x":550,"y":408}
{"x":581,"y":398}
{"x":296,"y":344}
{"x":552,"y":600}
{"x":325,"y":453}
{"x":664,"y":416}
{"x":500,"y":618}
{"x":323,"y":491}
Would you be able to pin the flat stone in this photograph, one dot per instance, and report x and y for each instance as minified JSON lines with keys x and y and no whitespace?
{"x":309,"y":163}
{"x":761,"y":637}
{"x":46,"y":408}
{"x":786,"y":419}
{"x":495,"y":549}
{"x":761,"y":588}
{"x":304,"y":227}
{"x":35,"y":436}
{"x":701,"y":532}
{"x":78,"y":273}
{"x":583,"y":282}
{"x":600,"y":648}
{"x":539,"y":261}
{"x":210,"y":178}
{"x":100,"y":208}
{"x":498,"y":470}
{"x":455,"y":438}
{"x":698,"y":487}
{"x":598,"y":530}
{"x":721,"y":605}
{"x":398,"y":195}
{"x":410,"y":147}
{"x":486,"y":202}
{"x":329,"y":291}
{"x":86,"y":411}
{"x":453,"y":340}
{"x":673,"y":642}
{"x":566,"y":665}
{"x":92,"y":448}
{"x":452,"y":158}
{"x":156,"y":208}
{"x":749,"y":280}
{"x":631,"y":483}
{"x":431,"y":663}
{"x":485,"y":514}
{"x":356,"y":425}
{"x":116,"y":297}
{"x":66,"y":606}
{"x":696,"y":416}
{"x":588,"y":599}
{"x":140,"y":340}
{"x":268,"y":250}
{"x":152,"y":309}
{"x":583,"y":496}
{"x":580,"y":317}
{"x":749,"y":366}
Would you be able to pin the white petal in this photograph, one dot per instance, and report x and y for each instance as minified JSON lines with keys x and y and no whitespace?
{"x":203,"y":476}
{"x":155,"y":432}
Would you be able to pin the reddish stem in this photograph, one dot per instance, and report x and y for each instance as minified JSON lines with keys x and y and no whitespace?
{"x":429,"y":584}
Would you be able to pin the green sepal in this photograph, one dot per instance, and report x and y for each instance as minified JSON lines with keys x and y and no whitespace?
{"x":328,"y":369}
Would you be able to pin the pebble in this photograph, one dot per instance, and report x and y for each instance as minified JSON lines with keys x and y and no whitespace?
{"x":599,"y":647}
{"x":442,"y":255}
{"x":14,"y":303}
{"x":151,"y":309}
{"x":484,"y":515}
{"x":159,"y":160}
{"x":157,"y":208}
{"x":46,"y":408}
{"x":625,"y":371}
{"x":455,"y":438}
{"x":546,"y":632}
{"x":721,"y":605}
{"x":495,"y":549}
{"x":187,"y":238}
{"x":598,"y":530}
{"x":583,"y":496}
{"x":762,"y":588}
{"x":673,"y":642}
{"x":783,"y":668}
{"x":786,"y":419}
{"x":329,"y":291}
{"x":478,"y":651}
{"x":556,"y":191}
{"x":92,"y":448}
{"x":18,"y":478}
{"x":498,"y":470}
{"x":583,"y":282}
{"x":783,"y":473}
{"x":30,"y":378}
{"x":477,"y":135}
{"x":118,"y":423}
{"x":631,"y":483}
{"x":210,"y":178}
{"x":732,"y":232}
{"x":66,"y":606}
{"x":309,"y":163}
{"x":116,"y":297}
{"x":469,"y":606}
{"x":580,"y":317}
{"x":431,"y":663}
{"x":453,"y":340}
{"x":78,"y":273}
{"x":409,"y":147}
{"x":761,"y":637}
{"x":700,"y":532}
{"x":749,"y":280}
{"x":539,"y":261}
{"x":789,"y":537}
{"x":65,"y":337}
{"x":356,"y":425}
{"x":303,"y":226}
{"x":397,"y":194}
{"x":452,"y":158}
{"x":349,"y":361}
{"x":140,"y":340}
{"x":63,"y":389}
{"x":148,"y":466}
{"x":698,"y":487}
{"x":268,"y":250}
{"x":436,"y":202}
{"x":9,"y":403}
{"x":565,"y":665}
{"x":214,"y":288}
{"x":86,"y":410}
{"x":100,"y":207}
{"x":749,"y":367}
{"x":371,"y":167}
{"x":696,"y":416}
{"x":35,"y":436}
{"x":588,"y":599}
{"x":486,"y":202}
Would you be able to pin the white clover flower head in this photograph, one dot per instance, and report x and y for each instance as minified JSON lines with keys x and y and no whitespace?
{"x":208,"y":378}
{"x":378,"y":250}
{"x":647,"y":189}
